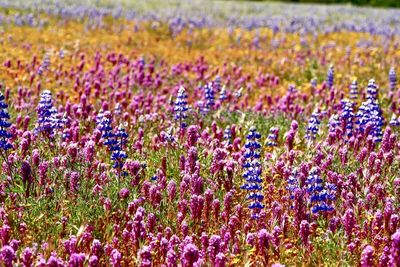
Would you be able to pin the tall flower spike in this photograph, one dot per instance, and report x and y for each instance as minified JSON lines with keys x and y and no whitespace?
{"x":118,"y":153}
{"x":314,"y":82}
{"x":105,"y":126}
{"x":293,"y":183}
{"x":370,"y":112}
{"x":347,"y":117}
{"x":45,"y":64}
{"x":48,"y":118}
{"x":330,"y":76}
{"x":228,"y":134}
{"x":5,"y":135}
{"x":273,"y":136}
{"x":313,"y":126}
{"x":222,"y":95}
{"x":217,"y":83}
{"x":209,"y":97}
{"x":354,"y":90}
{"x":181,"y":107}
{"x":319,"y":194}
{"x":334,"y":123}
{"x":392,"y":79}
{"x":372,"y":90}
{"x":252,"y":173}
{"x":394,"y":121}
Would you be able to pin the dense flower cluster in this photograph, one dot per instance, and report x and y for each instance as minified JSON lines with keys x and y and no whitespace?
{"x":140,"y":153}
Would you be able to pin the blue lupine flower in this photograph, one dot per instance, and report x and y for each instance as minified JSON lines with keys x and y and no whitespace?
{"x":292,"y":89}
{"x":181,"y":107}
{"x":45,"y":64}
{"x":49,"y":119}
{"x":239,"y":93}
{"x":372,"y":90}
{"x":5,"y":135}
{"x":61,"y":54}
{"x":118,"y":109}
{"x":392,"y":79}
{"x":209,"y":97}
{"x":394,"y":121}
{"x":105,"y":126}
{"x":334,"y":122}
{"x":354,"y":90}
{"x":253,"y":171}
{"x":330,"y":76}
{"x":222,"y":95}
{"x":370,"y":112}
{"x":228,"y":135}
{"x":320,"y":194}
{"x":313,"y":126}
{"x":314,"y":82}
{"x":217,"y":84}
{"x":117,"y":149}
{"x":273,"y":136}
{"x":347,"y":116}
{"x":293,"y":183}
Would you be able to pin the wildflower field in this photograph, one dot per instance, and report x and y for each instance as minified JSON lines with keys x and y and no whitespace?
{"x":197,"y":133}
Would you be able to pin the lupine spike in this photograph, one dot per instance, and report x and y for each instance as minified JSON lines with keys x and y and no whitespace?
{"x":253,"y":171}
{"x":273,"y":136}
{"x":370,"y":112}
{"x":392,"y":79}
{"x":222,"y":95}
{"x":320,"y":194}
{"x":5,"y":135}
{"x":313,"y":126}
{"x":181,"y":107}
{"x":394,"y":121}
{"x":354,"y":89}
{"x":330,"y":76}
{"x":49,"y":119}
{"x":347,"y":117}
{"x":209,"y":97}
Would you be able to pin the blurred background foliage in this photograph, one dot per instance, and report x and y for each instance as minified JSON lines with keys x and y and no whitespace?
{"x":375,"y":3}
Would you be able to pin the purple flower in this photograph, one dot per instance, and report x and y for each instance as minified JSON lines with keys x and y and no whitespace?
{"x":124,"y":193}
{"x":395,"y":249}
{"x":7,"y":256}
{"x":190,"y":255}
{"x":116,"y":258}
{"x":367,"y":257}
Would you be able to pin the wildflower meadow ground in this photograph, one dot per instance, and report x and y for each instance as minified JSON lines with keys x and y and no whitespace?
{"x":198,"y":133}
